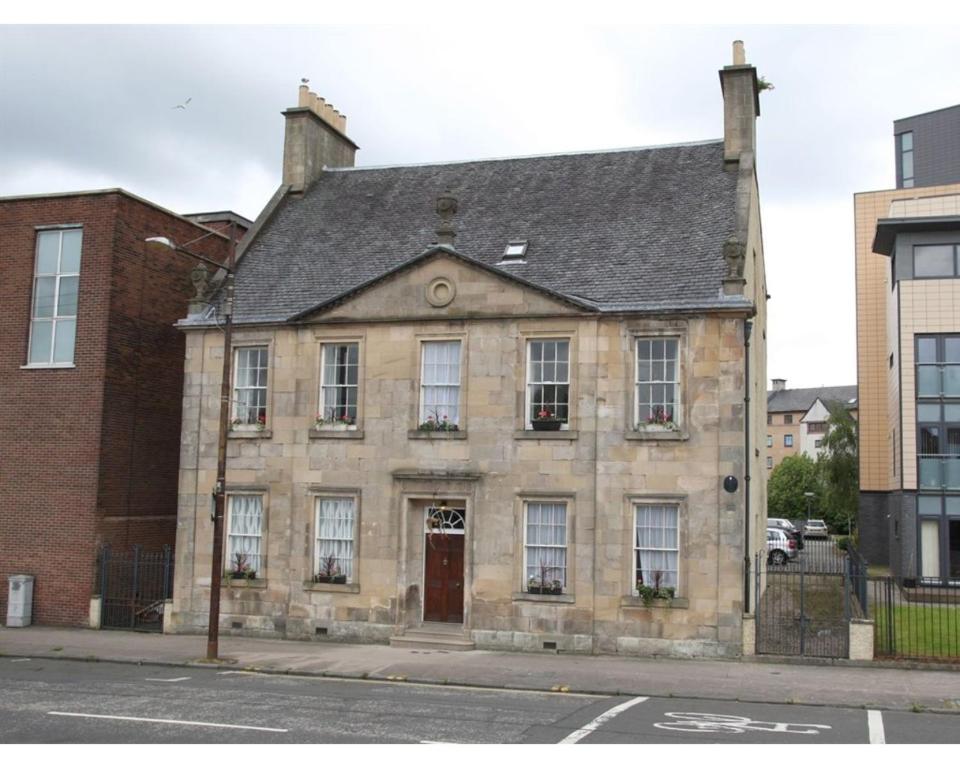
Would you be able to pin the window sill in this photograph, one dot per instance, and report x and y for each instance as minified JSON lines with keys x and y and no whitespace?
{"x":531,"y":597}
{"x":250,"y":434}
{"x":636,"y":602}
{"x":532,"y":434}
{"x":335,"y":434}
{"x":244,"y":583}
{"x":319,"y":586}
{"x":45,"y":366}
{"x":655,"y":434}
{"x":422,"y":434}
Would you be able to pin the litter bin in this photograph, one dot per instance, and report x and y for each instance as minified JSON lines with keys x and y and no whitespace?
{"x":20,"y":600}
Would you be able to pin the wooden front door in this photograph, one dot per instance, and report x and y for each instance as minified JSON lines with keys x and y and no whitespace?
{"x":443,"y":576}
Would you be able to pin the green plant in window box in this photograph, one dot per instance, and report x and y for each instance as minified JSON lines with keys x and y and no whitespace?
{"x":437,"y":423}
{"x":648,"y":593}
{"x":337,"y":421}
{"x":240,"y":568}
{"x":329,"y":572}
{"x":260,"y":424}
{"x":545,"y":421}
{"x":661,"y":418}
{"x":542,"y":584}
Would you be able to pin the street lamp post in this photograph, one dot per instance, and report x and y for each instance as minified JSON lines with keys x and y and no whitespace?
{"x":809,"y":495}
{"x":220,"y":490}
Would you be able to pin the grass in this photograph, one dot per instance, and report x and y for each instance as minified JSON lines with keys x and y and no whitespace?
{"x":920,"y":631}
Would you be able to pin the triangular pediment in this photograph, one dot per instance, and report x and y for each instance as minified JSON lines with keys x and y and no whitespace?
{"x":441,"y":283}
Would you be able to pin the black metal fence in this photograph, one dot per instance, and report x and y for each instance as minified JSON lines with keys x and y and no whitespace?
{"x":133,"y":587}
{"x":915,"y":622}
{"x":805,"y":605}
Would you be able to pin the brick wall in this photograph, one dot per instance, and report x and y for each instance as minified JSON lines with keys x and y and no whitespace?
{"x":89,"y":454}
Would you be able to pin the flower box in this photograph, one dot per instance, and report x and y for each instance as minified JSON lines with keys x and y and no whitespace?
{"x":546,"y":425}
{"x":545,"y":590}
{"x":324,"y":579}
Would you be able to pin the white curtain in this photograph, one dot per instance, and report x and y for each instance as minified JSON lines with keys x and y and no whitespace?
{"x":441,"y":381}
{"x":546,"y":548}
{"x":246,"y":526}
{"x":657,"y":544}
{"x":335,"y":525}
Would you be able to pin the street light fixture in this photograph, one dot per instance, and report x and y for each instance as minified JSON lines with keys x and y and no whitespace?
{"x":809,"y":495}
{"x":220,"y":490}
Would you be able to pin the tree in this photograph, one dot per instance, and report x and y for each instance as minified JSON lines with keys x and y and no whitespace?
{"x":788,"y":483}
{"x":839,"y":470}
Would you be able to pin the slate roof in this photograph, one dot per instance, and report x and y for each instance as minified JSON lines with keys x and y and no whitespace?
{"x":637,"y":229}
{"x":792,"y":400}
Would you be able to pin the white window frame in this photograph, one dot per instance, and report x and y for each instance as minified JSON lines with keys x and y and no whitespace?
{"x":565,"y":546}
{"x":785,"y":443}
{"x":54,"y":318}
{"x":640,"y":414}
{"x":321,"y":408}
{"x":235,"y":422}
{"x":319,"y":499}
{"x":636,"y":504}
{"x":529,"y":384}
{"x":260,"y":564}
{"x":422,"y":414}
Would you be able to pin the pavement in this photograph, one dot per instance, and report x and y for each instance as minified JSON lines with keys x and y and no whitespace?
{"x":761,"y":681}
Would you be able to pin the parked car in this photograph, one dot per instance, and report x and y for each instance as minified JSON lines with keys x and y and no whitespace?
{"x":815,"y":529}
{"x":780,"y":547}
{"x":789,"y":528}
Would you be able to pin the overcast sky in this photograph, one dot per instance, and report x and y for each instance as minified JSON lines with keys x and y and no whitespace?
{"x":91,"y":107}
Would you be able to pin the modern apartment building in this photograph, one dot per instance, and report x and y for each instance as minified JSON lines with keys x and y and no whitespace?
{"x":797,"y":419}
{"x":908,"y":355}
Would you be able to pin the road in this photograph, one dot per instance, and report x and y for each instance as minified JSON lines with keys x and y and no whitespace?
{"x":52,"y":702}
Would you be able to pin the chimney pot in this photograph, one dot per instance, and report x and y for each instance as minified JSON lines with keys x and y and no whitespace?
{"x":304,"y":99}
{"x":739,"y":55}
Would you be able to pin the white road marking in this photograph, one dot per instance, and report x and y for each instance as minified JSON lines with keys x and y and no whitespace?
{"x":707,"y":722}
{"x":15,"y":661}
{"x":875,"y":726}
{"x":611,"y":713}
{"x":239,"y":672}
{"x":170,"y":722}
{"x":165,"y":679}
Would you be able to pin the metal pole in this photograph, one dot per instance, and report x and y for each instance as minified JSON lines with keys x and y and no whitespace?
{"x":216,"y":566}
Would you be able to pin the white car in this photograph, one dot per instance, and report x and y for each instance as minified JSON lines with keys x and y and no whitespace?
{"x":780,"y":547}
{"x":816,"y":529}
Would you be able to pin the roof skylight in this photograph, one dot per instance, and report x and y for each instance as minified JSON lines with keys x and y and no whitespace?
{"x":516,"y":250}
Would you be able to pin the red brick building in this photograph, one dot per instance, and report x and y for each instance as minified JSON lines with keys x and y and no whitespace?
{"x":91,"y":374}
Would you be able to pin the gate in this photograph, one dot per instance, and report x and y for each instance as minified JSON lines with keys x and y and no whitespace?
{"x":133,"y":588}
{"x":805,"y":605}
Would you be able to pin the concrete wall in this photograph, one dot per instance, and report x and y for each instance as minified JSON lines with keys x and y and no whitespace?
{"x":599,"y":467}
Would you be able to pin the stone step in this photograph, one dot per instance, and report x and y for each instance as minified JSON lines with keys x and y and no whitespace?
{"x":443,"y":640}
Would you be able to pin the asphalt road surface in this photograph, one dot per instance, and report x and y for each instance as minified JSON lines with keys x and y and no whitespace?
{"x":53,"y":702}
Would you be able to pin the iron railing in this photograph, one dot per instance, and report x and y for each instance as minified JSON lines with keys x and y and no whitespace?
{"x":133,"y":587}
{"x":914,"y":622}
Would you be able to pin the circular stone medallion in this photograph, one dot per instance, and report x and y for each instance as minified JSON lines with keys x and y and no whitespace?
{"x":440,"y":291}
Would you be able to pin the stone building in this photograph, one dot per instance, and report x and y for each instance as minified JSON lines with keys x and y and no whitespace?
{"x":490,"y":404}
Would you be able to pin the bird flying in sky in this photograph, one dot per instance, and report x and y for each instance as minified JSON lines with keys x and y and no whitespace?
{"x":182,"y":106}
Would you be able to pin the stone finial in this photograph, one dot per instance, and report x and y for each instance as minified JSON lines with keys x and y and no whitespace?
{"x":734,"y":254}
{"x":446,"y":209}
{"x":200,"y":279}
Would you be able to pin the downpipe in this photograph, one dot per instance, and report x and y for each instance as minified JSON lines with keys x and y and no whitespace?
{"x":747,"y":330}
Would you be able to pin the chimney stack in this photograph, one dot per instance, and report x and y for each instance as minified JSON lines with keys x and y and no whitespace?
{"x":741,"y":106}
{"x":315,"y":137}
{"x":779,"y":385}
